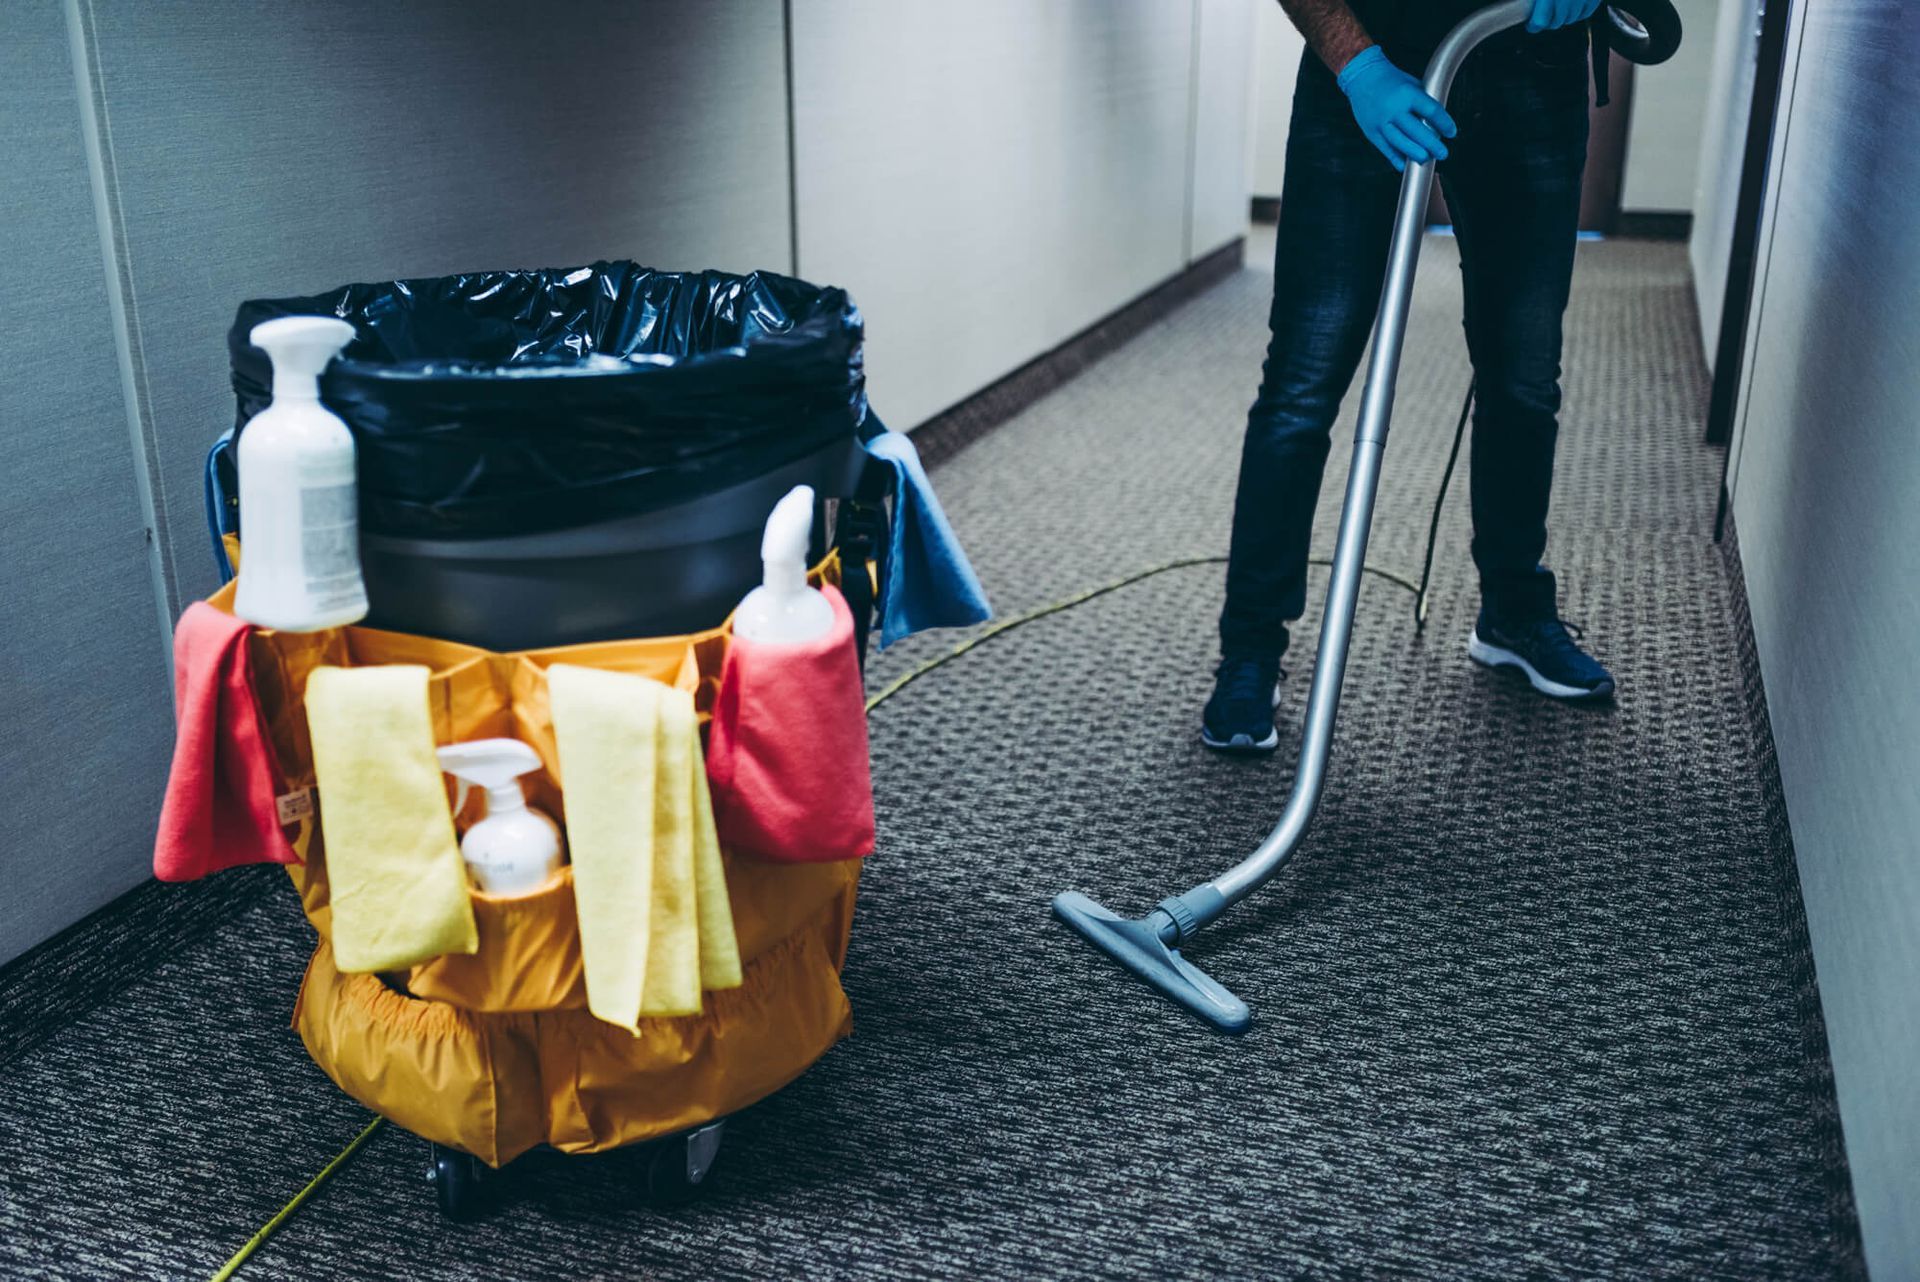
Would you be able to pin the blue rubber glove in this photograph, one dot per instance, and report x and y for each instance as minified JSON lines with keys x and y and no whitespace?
{"x":1393,"y":111}
{"x":1549,"y":14}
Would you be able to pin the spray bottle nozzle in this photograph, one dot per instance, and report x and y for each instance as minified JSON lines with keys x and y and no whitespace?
{"x":784,"y":608}
{"x":515,"y":849}
{"x":300,"y":347}
{"x":783,"y":548}
{"x":493,"y":764}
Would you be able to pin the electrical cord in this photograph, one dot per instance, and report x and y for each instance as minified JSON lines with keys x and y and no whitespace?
{"x":285,"y":1213}
{"x":906,"y":679}
{"x":1081,"y":598}
{"x":1439,"y":502}
{"x":1419,"y":589}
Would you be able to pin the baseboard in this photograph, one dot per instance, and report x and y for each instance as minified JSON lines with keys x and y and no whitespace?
{"x":1265,"y":209}
{"x":1652,"y":225}
{"x":1841,"y":1211}
{"x":62,"y":978}
{"x":951,"y":431}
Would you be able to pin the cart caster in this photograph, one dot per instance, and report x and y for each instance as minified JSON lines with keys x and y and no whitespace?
{"x":459,"y":1182}
{"x":679,"y":1165}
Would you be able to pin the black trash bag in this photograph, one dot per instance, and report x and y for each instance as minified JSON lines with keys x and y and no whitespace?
{"x":495,"y":404}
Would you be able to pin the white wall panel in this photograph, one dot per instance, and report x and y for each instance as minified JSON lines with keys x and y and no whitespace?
{"x":1723,"y":141}
{"x":987,"y":178}
{"x":1222,"y":95}
{"x":1827,"y":496}
{"x":84,"y":701}
{"x":1279,"y":49}
{"x":1669,"y":107}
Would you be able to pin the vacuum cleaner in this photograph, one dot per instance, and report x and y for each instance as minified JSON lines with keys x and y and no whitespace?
{"x":1642,"y":31}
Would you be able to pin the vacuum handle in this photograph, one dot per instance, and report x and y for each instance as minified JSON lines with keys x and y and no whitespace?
{"x":1474,"y":29}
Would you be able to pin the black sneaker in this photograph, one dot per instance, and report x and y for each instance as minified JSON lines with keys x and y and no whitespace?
{"x":1239,"y":716}
{"x":1546,"y":651}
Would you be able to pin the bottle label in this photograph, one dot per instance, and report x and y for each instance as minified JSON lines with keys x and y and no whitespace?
{"x":330,"y":545}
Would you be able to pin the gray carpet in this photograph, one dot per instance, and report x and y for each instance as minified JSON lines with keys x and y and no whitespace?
{"x":1535,"y":1000}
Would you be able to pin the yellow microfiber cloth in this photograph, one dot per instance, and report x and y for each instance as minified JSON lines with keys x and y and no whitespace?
{"x":399,"y":888}
{"x":656,"y":926}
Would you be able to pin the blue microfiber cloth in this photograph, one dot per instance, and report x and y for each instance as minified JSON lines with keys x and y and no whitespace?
{"x":926,"y":581}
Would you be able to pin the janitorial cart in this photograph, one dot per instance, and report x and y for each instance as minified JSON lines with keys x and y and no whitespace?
{"x":560,"y":474}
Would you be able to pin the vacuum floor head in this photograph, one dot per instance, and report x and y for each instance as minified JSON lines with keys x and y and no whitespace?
{"x":1136,"y":944}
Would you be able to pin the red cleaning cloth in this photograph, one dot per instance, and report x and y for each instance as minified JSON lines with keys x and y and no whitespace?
{"x":787,"y":754}
{"x":221,"y":805}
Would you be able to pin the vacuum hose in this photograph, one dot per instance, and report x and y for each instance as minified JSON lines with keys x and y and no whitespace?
{"x":1646,"y":32}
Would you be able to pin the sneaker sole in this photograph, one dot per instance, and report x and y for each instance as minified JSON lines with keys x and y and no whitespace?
{"x":1244,"y":742}
{"x":1493,"y":656}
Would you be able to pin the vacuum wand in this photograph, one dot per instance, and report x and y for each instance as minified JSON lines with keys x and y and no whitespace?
{"x":1148,"y":946}
{"x":1363,"y":479}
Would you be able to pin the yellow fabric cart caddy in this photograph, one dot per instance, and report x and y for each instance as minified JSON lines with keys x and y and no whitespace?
{"x":491,"y":1054}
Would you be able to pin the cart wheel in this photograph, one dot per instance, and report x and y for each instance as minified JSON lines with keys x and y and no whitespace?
{"x":678,"y":1166}
{"x":459,"y":1182}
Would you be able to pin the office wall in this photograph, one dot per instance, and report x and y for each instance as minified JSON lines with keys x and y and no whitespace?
{"x":987,"y":179}
{"x":1033,"y":163}
{"x":1827,"y":496}
{"x":252,"y":150}
{"x":1279,"y":47}
{"x":1723,"y":134}
{"x":283,"y":149}
{"x":1670,"y":105}
{"x":83,"y":677}
{"x":1222,"y":88}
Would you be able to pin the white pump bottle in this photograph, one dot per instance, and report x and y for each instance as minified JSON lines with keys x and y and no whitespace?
{"x":515,"y":850}
{"x":785,"y":609}
{"x":299,"y":507}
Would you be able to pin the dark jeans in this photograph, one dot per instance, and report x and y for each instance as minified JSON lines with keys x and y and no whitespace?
{"x":1512,"y":183}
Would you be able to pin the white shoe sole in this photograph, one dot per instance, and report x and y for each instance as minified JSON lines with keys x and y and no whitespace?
{"x":1493,"y":656}
{"x":1245,"y":743}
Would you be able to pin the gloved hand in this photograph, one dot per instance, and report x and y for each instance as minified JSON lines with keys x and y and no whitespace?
{"x":1549,"y":14}
{"x":1394,"y":112}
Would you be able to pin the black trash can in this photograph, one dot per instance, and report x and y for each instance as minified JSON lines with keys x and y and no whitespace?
{"x":568,"y":455}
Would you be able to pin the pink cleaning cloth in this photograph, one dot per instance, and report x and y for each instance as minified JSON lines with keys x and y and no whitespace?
{"x":221,"y":808}
{"x":787,"y":754}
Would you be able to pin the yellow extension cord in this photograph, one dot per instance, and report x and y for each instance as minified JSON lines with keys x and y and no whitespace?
{"x":239,"y":1258}
{"x":892,"y":688}
{"x":1067,"y":603}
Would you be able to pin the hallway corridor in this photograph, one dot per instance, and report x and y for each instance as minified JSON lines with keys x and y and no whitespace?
{"x":1536,"y":998}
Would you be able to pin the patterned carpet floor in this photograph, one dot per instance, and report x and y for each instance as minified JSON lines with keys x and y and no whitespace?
{"x":1535,"y":1000}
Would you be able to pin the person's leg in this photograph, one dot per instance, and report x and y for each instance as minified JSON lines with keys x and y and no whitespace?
{"x":1513,"y":187}
{"x":1336,"y":212}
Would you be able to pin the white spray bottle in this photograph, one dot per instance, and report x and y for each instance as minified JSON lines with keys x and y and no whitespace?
{"x":515,"y":850}
{"x":299,"y":508}
{"x":785,"y":609}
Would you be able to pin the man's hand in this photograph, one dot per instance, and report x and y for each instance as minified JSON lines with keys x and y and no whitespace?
{"x":1394,"y":112}
{"x":1549,"y":14}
